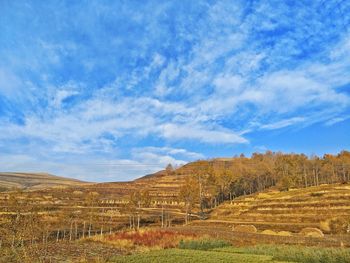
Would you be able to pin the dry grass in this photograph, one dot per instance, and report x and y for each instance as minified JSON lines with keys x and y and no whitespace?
{"x":144,"y":240}
{"x":325,"y":207}
{"x":311,"y":232}
{"x":245,"y":229}
{"x":284,"y":233}
{"x":269,"y":232}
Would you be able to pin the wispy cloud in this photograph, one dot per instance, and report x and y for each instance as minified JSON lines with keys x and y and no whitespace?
{"x":282,"y":123}
{"x":153,"y":82}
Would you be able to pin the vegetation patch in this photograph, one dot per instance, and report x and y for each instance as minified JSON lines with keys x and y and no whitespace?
{"x":145,"y":239}
{"x":297,"y":253}
{"x":204,"y":244}
{"x":317,"y":194}
{"x":193,"y":256}
{"x":339,"y":225}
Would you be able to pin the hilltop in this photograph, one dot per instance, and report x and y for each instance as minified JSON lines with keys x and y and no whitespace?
{"x":9,"y":180}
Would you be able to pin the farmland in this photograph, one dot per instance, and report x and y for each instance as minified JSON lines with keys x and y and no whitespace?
{"x":289,"y":211}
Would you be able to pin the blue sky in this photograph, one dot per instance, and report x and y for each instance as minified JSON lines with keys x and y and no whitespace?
{"x":113,"y":90}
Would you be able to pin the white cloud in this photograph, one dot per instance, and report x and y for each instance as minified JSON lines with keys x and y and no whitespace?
{"x":169,"y":151}
{"x":288,"y":91}
{"x":168,"y":74}
{"x":61,"y":95}
{"x":335,"y":120}
{"x":11,"y":86}
{"x":282,"y":123}
{"x":172,"y":131}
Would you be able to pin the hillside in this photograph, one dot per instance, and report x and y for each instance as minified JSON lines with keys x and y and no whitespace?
{"x":35,"y":181}
{"x":290,"y":210}
{"x":162,"y":187}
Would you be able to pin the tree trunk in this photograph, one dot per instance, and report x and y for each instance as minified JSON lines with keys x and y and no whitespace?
{"x":305,"y":177}
{"x":138,"y":217}
{"x":84,"y":229}
{"x":162,"y":216}
{"x":70,"y":231}
{"x":76,"y":229}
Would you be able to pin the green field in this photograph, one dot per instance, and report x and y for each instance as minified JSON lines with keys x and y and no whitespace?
{"x":187,"y":255}
{"x":254,"y":254}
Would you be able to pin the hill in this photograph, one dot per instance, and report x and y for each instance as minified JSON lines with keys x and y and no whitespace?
{"x":163,"y":188}
{"x":10,"y":180}
{"x":326,"y":207}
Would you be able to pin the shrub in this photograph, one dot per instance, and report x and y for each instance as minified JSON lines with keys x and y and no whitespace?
{"x":146,"y":239}
{"x":317,"y":194}
{"x":338,"y":225}
{"x":204,"y":244}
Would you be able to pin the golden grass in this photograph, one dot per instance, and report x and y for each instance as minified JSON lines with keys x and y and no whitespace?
{"x":324,"y":226}
{"x":284,"y":233}
{"x":244,"y":228}
{"x":269,"y":232}
{"x":311,"y":232}
{"x":313,"y":206}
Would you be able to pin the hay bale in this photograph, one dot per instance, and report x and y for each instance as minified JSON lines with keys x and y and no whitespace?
{"x":311,"y":232}
{"x":269,"y":232}
{"x":284,"y":233}
{"x":325,"y":226}
{"x":245,"y":229}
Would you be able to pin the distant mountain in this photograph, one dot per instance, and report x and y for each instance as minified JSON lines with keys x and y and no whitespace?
{"x":9,"y":180}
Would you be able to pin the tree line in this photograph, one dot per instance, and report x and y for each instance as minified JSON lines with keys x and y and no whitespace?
{"x":214,"y":181}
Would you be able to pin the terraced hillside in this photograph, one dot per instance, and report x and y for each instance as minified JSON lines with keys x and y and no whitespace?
{"x":35,"y":181}
{"x":319,"y":207}
{"x":163,"y":187}
{"x":97,"y":207}
{"x":163,"y":190}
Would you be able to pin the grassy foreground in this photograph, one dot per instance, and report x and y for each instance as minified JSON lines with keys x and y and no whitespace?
{"x":297,"y":253}
{"x":154,"y":245}
{"x":206,"y":250}
{"x":187,"y":255}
